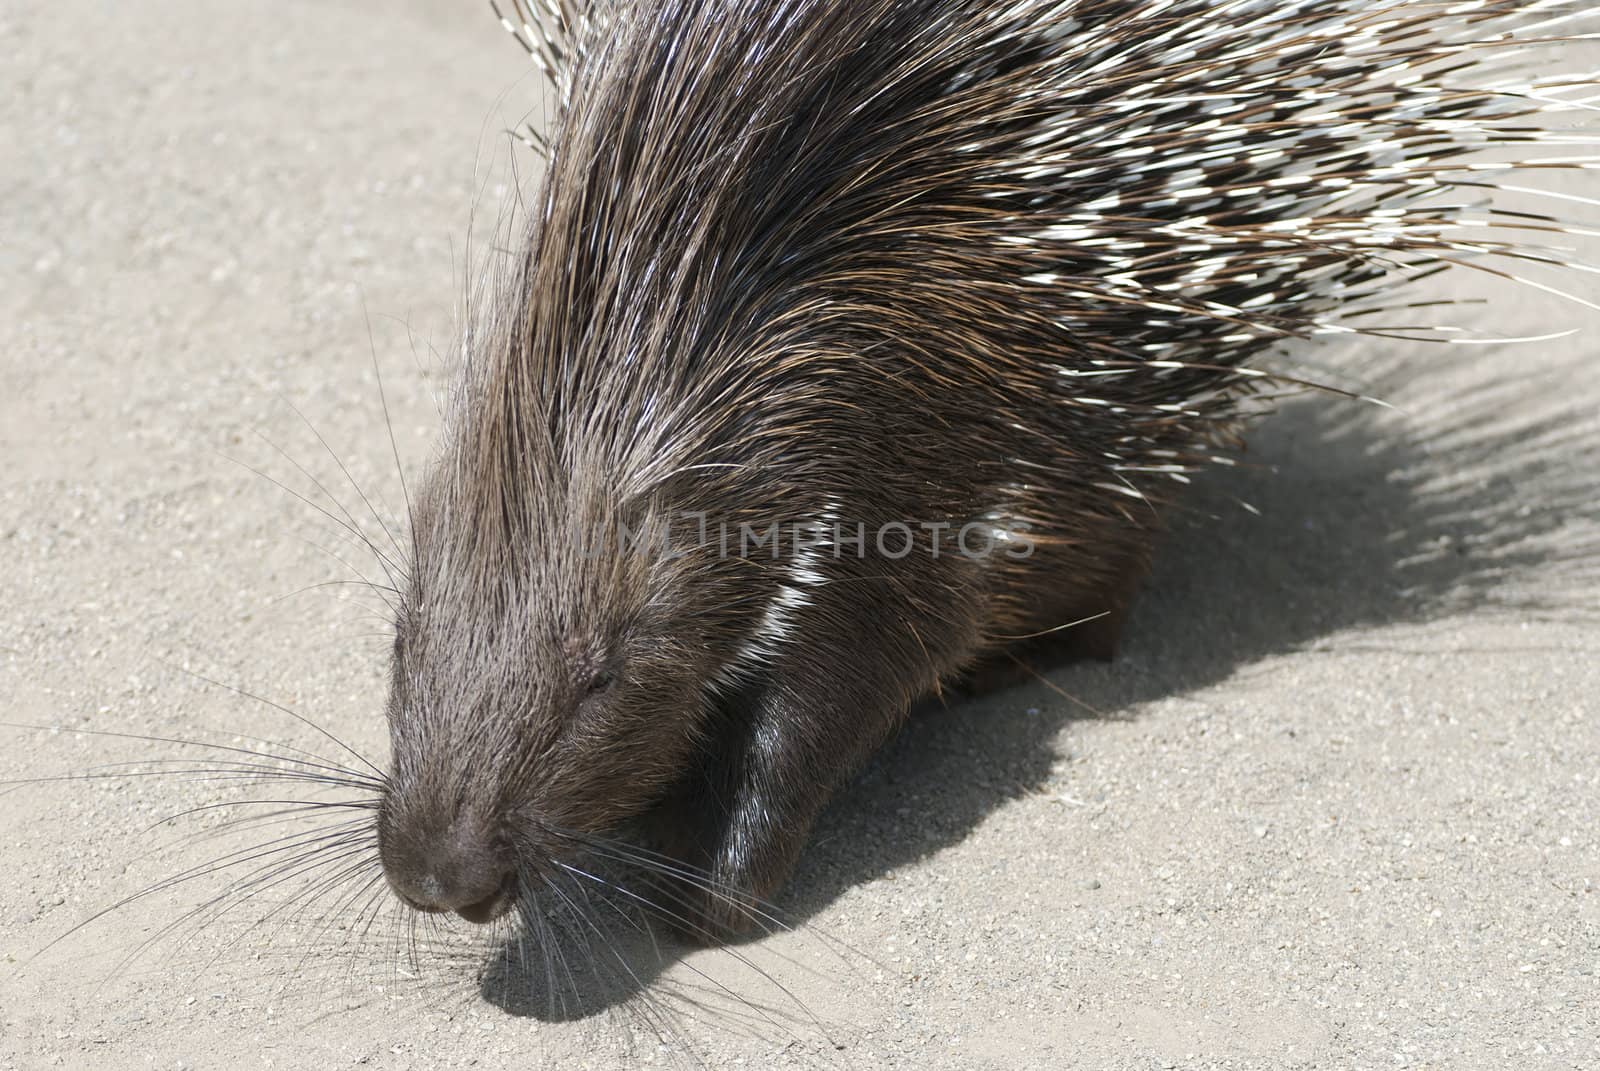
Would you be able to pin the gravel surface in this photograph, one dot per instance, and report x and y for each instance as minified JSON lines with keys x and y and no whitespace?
{"x":1337,"y":806}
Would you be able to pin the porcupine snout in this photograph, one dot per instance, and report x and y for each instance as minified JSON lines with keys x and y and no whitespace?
{"x":461,"y":865}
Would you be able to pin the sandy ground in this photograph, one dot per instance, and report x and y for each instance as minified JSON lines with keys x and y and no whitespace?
{"x":1338,"y":806}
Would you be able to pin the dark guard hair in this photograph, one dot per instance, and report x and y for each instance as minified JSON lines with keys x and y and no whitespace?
{"x":988,"y":277}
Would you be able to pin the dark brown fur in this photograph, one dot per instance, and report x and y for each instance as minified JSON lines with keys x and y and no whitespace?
{"x":794,"y":261}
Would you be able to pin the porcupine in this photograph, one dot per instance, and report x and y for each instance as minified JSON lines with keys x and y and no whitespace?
{"x":888,"y":274}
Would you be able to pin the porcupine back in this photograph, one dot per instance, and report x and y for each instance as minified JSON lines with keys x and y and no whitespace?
{"x":1004,"y":261}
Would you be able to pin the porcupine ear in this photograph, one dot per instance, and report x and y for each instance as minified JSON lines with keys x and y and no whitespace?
{"x":553,"y":33}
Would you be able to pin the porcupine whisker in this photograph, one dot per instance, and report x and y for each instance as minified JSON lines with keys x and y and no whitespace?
{"x":321,"y":844}
{"x":359,"y":863}
{"x":349,"y":521}
{"x":388,"y":424}
{"x":286,"y":764}
{"x":650,"y":907}
{"x":666,"y":914}
{"x":514,"y":962}
{"x":424,"y":375}
{"x":379,"y":903}
{"x":308,"y":891}
{"x":514,"y":956}
{"x":296,"y":813}
{"x":351,"y":907}
{"x":288,"y":811}
{"x":346,"y":525}
{"x":535,"y":919}
{"x":386,"y":592}
{"x":273,"y":850}
{"x":554,"y":938}
{"x":381,"y":778}
{"x":344,"y":469}
{"x":350,"y":860}
{"x":319,"y":585}
{"x":356,"y":850}
{"x":534,"y":927}
{"x":240,"y":773}
{"x":644,"y":1004}
{"x":368,"y":609}
{"x":314,"y":957}
{"x":731,"y":1014}
{"x":315,"y":767}
{"x":314,"y":846}
{"x":747,"y":1009}
{"x":648,"y":1008}
{"x":761,"y":913}
{"x":406,"y":941}
{"x":650,"y":861}
{"x":651,"y":1013}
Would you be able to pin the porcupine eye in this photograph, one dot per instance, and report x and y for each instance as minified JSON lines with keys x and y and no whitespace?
{"x":594,"y":672}
{"x":600,"y":682}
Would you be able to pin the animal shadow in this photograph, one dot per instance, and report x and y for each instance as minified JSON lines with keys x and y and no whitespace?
{"x":1342,"y":515}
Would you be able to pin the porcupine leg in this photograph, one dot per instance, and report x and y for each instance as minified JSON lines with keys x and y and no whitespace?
{"x":787,"y":747}
{"x":786,"y":743}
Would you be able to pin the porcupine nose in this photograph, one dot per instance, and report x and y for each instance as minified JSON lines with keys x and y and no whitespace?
{"x":461,"y":867}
